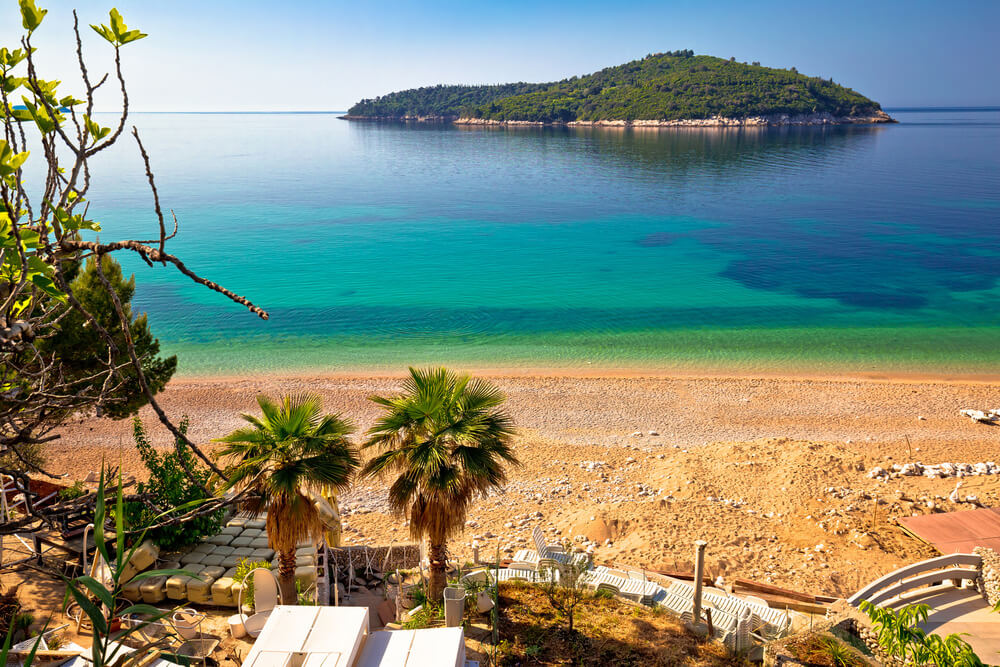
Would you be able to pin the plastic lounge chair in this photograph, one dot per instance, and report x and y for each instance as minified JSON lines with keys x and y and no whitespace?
{"x":682,"y":607}
{"x":266,"y":596}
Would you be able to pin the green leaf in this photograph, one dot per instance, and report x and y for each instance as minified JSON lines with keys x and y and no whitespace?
{"x":166,"y":573}
{"x":97,"y":588}
{"x":92,"y":611}
{"x":69,"y":101}
{"x":10,"y":59}
{"x":118,"y":33}
{"x":99,"y":517}
{"x":31,"y":15}
{"x":12,"y":83}
{"x":10,"y":161}
{"x":46,"y":124}
{"x":97,"y":132}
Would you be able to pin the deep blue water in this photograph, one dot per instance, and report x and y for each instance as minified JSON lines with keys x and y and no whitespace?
{"x":854,"y":247}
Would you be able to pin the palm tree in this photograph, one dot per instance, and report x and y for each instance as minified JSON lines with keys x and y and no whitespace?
{"x":288,"y":454}
{"x":447,"y":438}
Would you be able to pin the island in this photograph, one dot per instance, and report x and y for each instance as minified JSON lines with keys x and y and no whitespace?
{"x":677,"y":88}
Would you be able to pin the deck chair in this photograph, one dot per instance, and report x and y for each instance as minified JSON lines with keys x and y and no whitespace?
{"x":266,"y":596}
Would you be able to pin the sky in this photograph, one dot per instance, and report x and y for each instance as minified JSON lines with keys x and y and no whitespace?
{"x":251,"y":55}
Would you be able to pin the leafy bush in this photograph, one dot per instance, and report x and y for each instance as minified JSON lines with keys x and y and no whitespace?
{"x":170,"y":486}
{"x":243,"y":570}
{"x":71,"y":492}
{"x":900,"y":637}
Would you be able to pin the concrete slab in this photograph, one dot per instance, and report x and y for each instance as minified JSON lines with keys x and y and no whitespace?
{"x":964,"y":611}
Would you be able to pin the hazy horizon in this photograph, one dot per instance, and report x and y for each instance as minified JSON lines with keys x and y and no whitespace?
{"x":325,"y":56}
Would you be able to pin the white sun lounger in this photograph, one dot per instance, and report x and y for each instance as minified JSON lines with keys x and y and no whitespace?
{"x":547,"y":555}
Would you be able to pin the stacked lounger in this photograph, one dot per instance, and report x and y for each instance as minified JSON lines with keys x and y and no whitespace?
{"x":547,"y":555}
{"x":212,"y":565}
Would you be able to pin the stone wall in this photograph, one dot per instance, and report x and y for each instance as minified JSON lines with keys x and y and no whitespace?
{"x":856,"y":622}
{"x":383,"y":559}
{"x":989,"y":574}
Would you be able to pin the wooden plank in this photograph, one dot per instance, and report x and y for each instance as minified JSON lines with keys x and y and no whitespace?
{"x":775,"y":590}
{"x":684,"y":576}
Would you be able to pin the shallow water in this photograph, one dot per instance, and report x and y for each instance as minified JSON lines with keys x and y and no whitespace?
{"x":377,"y":245}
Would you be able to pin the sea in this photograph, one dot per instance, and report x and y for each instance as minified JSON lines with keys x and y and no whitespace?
{"x":375,"y":246}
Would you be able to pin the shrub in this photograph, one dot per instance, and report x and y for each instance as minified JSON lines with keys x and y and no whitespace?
{"x":170,"y":486}
{"x":900,"y":637}
{"x":243,"y":570}
{"x":71,"y":492}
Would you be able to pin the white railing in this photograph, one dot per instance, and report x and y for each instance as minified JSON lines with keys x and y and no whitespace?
{"x":891,"y":588}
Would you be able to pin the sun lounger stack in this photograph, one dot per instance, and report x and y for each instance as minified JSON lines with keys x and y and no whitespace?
{"x":513,"y":574}
{"x":547,"y":556}
{"x":640,"y":589}
{"x":214,"y":562}
{"x":771,"y":622}
{"x":734,"y":617}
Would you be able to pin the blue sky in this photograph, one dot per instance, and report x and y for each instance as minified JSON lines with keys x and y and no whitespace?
{"x":252,"y":55}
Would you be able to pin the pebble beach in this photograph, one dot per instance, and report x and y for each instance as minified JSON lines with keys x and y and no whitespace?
{"x":774,"y":472}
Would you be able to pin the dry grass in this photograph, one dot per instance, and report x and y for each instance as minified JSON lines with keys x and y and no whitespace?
{"x":608,"y":632}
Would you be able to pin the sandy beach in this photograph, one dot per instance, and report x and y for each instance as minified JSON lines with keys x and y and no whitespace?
{"x":772,"y":471}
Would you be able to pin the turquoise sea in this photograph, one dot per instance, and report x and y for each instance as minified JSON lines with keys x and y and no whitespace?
{"x":848,"y":249}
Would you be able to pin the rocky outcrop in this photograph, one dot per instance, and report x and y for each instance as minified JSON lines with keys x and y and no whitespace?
{"x":714,"y":121}
{"x":774,"y":120}
{"x":403,"y":119}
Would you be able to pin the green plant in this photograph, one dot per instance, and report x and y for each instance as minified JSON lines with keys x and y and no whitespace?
{"x":287,"y":455}
{"x":900,"y":637}
{"x":423,"y":617}
{"x":70,"y":340}
{"x":304,"y":597}
{"x":447,"y":439}
{"x":828,"y":648}
{"x":171,"y":485}
{"x":243,"y":569}
{"x":564,"y":589}
{"x":76,"y":346}
{"x":100,"y":601}
{"x":71,"y":492}
{"x":22,"y":623}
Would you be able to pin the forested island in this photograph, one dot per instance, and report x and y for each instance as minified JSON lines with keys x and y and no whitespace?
{"x":663,"y":89}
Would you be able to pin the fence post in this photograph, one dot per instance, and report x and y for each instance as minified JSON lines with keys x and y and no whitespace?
{"x":699,"y":574}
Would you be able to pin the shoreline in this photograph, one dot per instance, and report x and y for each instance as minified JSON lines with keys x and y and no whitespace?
{"x":601,"y":373}
{"x":768,"y":120}
{"x":644,"y":462}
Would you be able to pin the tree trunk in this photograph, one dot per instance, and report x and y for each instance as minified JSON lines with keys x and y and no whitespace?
{"x":437,"y":554}
{"x":286,"y":577}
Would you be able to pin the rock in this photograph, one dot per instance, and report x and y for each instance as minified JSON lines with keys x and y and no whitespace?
{"x":921,"y":418}
{"x":637,"y":434}
{"x":654,"y":433}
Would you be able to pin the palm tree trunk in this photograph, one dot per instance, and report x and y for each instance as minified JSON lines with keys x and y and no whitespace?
{"x":437,"y":554}
{"x":286,"y":577}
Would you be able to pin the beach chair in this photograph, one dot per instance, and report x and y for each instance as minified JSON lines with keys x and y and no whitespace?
{"x":266,"y":596}
{"x":639,"y":590}
{"x":680,"y":606}
{"x":546,"y":555}
{"x":773,"y":623}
